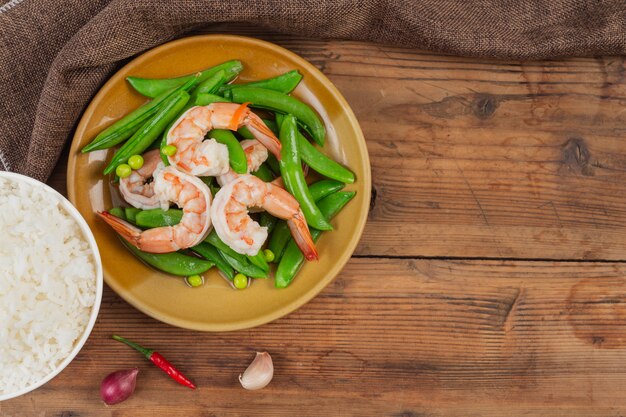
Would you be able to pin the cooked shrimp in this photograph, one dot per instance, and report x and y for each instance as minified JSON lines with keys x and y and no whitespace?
{"x":234,"y":226}
{"x":256,"y":154}
{"x":209,"y":158}
{"x":136,"y":189}
{"x":190,"y":194}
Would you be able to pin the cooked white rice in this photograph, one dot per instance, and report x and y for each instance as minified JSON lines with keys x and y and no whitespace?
{"x":47,"y":284}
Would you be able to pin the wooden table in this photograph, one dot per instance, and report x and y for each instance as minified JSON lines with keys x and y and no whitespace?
{"x":490,"y":280}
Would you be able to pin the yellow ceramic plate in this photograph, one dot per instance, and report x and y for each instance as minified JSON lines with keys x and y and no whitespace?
{"x":216,"y":306}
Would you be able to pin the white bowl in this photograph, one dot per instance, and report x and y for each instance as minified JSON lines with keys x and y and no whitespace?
{"x":99,"y":282}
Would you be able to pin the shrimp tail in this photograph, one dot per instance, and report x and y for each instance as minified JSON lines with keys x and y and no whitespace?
{"x":302,"y":236}
{"x":263,"y":134}
{"x":129,"y":232}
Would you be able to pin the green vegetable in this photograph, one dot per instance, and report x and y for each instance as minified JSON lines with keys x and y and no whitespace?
{"x":206,"y":99}
{"x":291,"y":171}
{"x":214,"y":189}
{"x":273,"y":164}
{"x":194,"y":280}
{"x":269,"y":255}
{"x":281,"y":103}
{"x":267,"y":220}
{"x":173,"y":263}
{"x":236,"y":154}
{"x":264,"y":173}
{"x":151,"y":87}
{"x":211,"y":253}
{"x":259,"y":260}
{"x":272,"y":125}
{"x":118,"y":212}
{"x":208,"y":86}
{"x":245,"y":133}
{"x":169,"y":150}
{"x":150,"y":219}
{"x":240,"y":281}
{"x":144,"y":137}
{"x":322,"y":163}
{"x":279,"y":239}
{"x":319,"y":162}
{"x":135,"y":162}
{"x":126,"y":126}
{"x":292,"y":260}
{"x":131,"y":214}
{"x":323,"y":188}
{"x":241,"y":263}
{"x":283,"y":83}
{"x":281,"y":234}
{"x":123,"y":170}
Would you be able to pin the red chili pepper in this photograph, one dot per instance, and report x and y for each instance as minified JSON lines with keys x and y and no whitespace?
{"x":158,"y":359}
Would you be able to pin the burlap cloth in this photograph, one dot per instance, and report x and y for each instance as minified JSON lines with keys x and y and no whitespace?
{"x":54,"y":54}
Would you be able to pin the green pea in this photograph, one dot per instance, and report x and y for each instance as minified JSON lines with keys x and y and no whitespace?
{"x":240,"y":281}
{"x":135,"y":161}
{"x":123,"y":170}
{"x":269,"y":255}
{"x":194,"y":280}
{"x":169,"y":150}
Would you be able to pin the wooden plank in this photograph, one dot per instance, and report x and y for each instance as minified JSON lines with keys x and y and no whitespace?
{"x":489,"y":159}
{"x":387,"y":338}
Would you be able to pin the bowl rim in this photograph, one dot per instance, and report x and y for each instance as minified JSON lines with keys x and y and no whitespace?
{"x":95,"y":309}
{"x":337,"y":266}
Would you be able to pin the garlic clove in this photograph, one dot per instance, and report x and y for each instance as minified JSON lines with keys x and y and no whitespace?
{"x":259,"y":373}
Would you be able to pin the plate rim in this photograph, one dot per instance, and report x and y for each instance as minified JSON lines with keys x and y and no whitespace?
{"x":337,"y":266}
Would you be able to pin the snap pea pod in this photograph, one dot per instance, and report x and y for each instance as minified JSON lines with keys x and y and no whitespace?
{"x":210,"y":253}
{"x":259,"y":260}
{"x":292,"y":259}
{"x":279,"y":239}
{"x":152,"y":87}
{"x":322,"y":163}
{"x":281,"y":234}
{"x":319,"y":162}
{"x":245,"y":133}
{"x":243,"y":267}
{"x":291,"y":171}
{"x":174,"y":263}
{"x":205,"y":99}
{"x":273,"y":164}
{"x":158,"y":218}
{"x":323,"y":188}
{"x":144,"y":137}
{"x":267,"y":220}
{"x":127,"y":125}
{"x":208,"y":86}
{"x":272,"y":125}
{"x":118,"y":212}
{"x":241,"y":263}
{"x":131,"y":213}
{"x":236,"y":155}
{"x":205,"y":87}
{"x":283,"y":83}
{"x":264,"y":173}
{"x":282,"y":103}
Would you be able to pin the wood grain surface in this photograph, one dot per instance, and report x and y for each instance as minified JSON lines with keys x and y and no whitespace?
{"x":490,"y":280}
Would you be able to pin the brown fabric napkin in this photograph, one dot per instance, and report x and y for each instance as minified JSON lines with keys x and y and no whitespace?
{"x":54,"y":54}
